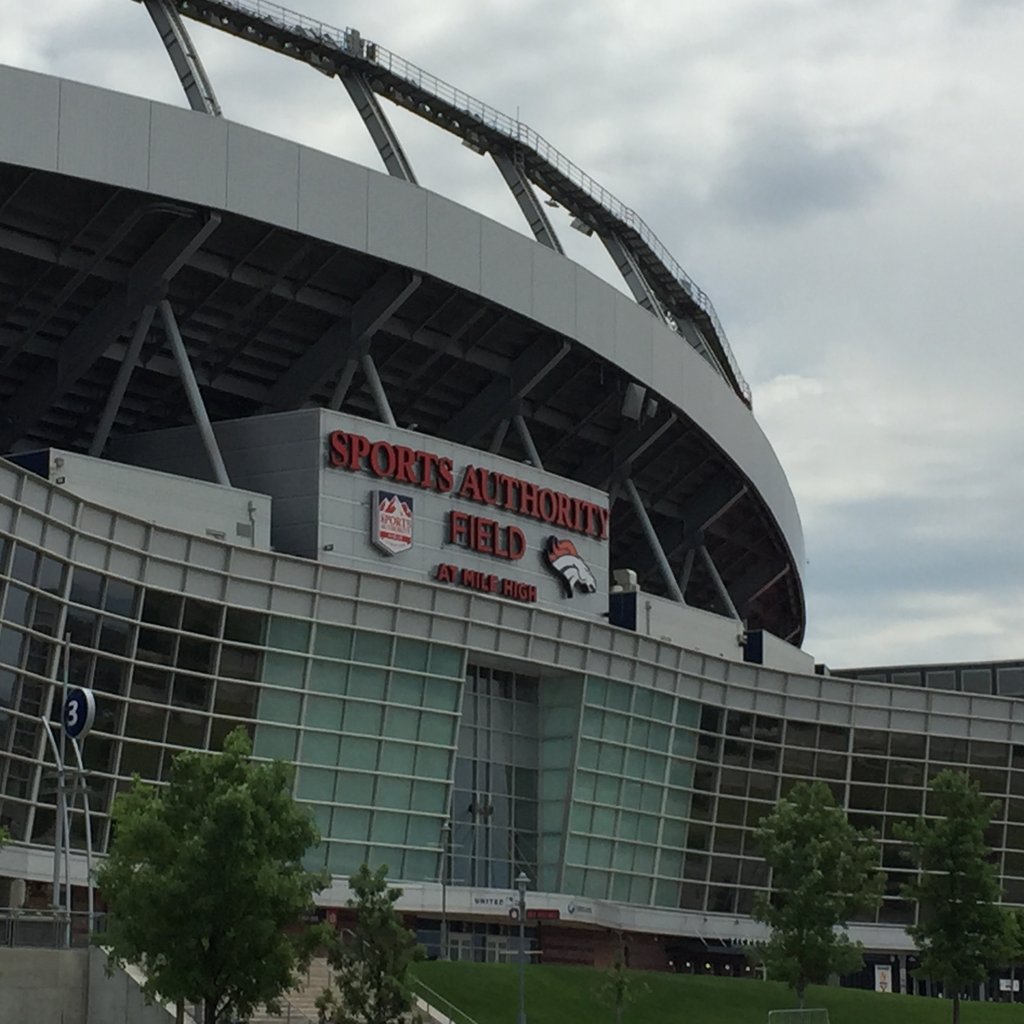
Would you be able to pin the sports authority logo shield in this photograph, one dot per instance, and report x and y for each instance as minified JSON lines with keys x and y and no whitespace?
{"x":391,"y":522}
{"x":562,"y":558}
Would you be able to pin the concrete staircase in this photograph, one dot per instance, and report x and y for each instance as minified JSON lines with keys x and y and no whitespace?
{"x":299,"y":1005}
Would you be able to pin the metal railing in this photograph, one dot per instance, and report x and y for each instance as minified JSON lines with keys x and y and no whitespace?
{"x":46,"y":928}
{"x":351,"y":42}
{"x":439,"y":1003}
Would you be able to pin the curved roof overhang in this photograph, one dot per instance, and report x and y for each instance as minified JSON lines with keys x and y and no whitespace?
{"x":273,"y":254}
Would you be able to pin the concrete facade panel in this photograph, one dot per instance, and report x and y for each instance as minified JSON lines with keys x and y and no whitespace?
{"x":397,"y":221}
{"x":634,"y":334}
{"x":453,"y":243}
{"x":333,"y":198}
{"x":103,"y":135}
{"x":595,"y":311}
{"x":506,"y":273}
{"x":188,"y":156}
{"x":554,"y":290}
{"x":29,"y":110}
{"x":263,"y":176}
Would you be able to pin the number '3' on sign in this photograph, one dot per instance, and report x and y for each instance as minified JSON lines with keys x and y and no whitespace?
{"x":79,"y":712}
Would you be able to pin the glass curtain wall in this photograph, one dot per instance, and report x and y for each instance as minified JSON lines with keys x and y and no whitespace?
{"x":494,"y":804}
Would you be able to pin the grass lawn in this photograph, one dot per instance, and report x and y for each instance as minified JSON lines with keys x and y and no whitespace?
{"x":489,"y":993}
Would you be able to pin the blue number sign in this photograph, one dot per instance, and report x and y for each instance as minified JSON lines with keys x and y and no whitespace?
{"x":79,"y":712}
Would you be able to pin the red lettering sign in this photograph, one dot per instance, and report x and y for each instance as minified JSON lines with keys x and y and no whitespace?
{"x":486,"y":583}
{"x":486,"y":536}
{"x":387,"y":461}
{"x":482,"y":486}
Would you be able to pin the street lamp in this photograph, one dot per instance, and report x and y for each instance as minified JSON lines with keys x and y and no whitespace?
{"x":446,"y":839}
{"x":521,"y":883}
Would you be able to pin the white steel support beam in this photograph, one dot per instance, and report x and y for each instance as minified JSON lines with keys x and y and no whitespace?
{"x":512,"y":171}
{"x":340,"y":392}
{"x":527,"y":440}
{"x":124,"y":373}
{"x":380,"y":399}
{"x":686,"y":529}
{"x":652,"y":539}
{"x":184,"y":57}
{"x":687,"y":569}
{"x":195,"y":398}
{"x":500,"y":431}
{"x":716,"y":578}
{"x":383,"y":135}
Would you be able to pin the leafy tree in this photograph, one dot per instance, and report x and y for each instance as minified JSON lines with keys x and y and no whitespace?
{"x":620,"y":988}
{"x":962,"y":931}
{"x":373,"y":965}
{"x":1015,"y":946}
{"x":204,"y":880}
{"x":823,"y":872}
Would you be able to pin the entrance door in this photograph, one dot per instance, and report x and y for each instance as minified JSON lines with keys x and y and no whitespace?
{"x":460,"y":947}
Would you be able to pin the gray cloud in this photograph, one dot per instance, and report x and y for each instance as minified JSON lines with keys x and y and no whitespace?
{"x":842,"y":178}
{"x":781,"y":172}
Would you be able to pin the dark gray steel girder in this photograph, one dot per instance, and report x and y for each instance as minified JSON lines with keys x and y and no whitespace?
{"x":184,"y":57}
{"x":719,"y":583}
{"x":694,"y":517}
{"x":760,"y":578}
{"x":520,"y":187}
{"x":103,"y":325}
{"x":626,"y":450}
{"x":501,"y":397}
{"x":631,"y":272}
{"x":344,"y":341}
{"x":653,"y":541}
{"x":383,"y":135}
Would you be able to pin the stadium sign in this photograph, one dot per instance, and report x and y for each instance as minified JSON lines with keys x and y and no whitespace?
{"x":462,"y":518}
{"x":429,"y":471}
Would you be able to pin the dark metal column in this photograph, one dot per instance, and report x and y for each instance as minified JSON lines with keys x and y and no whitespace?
{"x":195,"y":398}
{"x":712,"y":569}
{"x":512,"y":171}
{"x":527,"y":439}
{"x":379,"y":127}
{"x":652,"y":539}
{"x":631,"y":273}
{"x":184,"y":57}
{"x":124,"y":373}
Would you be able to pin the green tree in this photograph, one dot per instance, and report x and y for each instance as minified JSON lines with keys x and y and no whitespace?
{"x":1015,"y":946}
{"x":823,"y":872}
{"x":373,"y":964}
{"x":962,"y":931}
{"x":620,"y":988}
{"x":205,"y":885}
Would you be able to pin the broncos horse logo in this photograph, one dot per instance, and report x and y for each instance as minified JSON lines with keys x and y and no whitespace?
{"x":564,"y":561}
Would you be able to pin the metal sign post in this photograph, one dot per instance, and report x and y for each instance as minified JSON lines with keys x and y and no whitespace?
{"x":78,"y":712}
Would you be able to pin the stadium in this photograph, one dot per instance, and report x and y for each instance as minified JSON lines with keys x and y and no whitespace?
{"x":495,"y":553}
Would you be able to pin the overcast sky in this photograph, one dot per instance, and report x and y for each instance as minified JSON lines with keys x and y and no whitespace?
{"x":843,"y":177}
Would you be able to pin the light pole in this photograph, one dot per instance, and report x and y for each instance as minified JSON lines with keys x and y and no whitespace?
{"x":446,"y":838}
{"x":521,"y":883}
